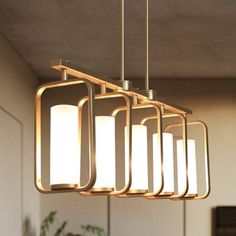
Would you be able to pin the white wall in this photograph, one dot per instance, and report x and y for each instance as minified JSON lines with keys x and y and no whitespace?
{"x":11,"y":167}
{"x":17,"y":86}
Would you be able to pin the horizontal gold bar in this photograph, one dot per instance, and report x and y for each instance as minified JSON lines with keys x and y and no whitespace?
{"x":137,"y":191}
{"x":102,"y":190}
{"x":63,"y":186}
{"x":77,"y":72}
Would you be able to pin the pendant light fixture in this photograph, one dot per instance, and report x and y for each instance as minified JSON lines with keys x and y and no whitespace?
{"x":66,"y":135}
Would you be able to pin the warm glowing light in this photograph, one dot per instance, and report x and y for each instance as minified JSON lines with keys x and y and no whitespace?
{"x":168,"y":165}
{"x":192,"y":168}
{"x":139,"y":159}
{"x":105,"y":152}
{"x":64,"y":147}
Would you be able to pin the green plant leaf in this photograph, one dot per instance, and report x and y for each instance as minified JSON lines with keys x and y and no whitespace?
{"x":95,"y":230}
{"x":49,"y":220}
{"x":61,"y":229}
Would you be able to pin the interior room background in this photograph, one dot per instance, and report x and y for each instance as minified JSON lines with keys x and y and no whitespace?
{"x":213,"y":100}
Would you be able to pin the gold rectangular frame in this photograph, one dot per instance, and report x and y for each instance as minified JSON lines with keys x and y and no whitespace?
{"x":38,"y":156}
{"x":153,"y":196}
{"x":128,"y":107}
{"x":146,"y":105}
{"x":206,"y":156}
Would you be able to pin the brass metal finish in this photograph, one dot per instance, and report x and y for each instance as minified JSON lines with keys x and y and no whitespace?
{"x":64,"y":75}
{"x":102,"y":190}
{"x":91,"y":123}
{"x":103,"y":88}
{"x":158,"y":118}
{"x":206,"y":156}
{"x":115,"y":85}
{"x":159,"y":194}
{"x":128,"y":108}
{"x":190,"y":196}
{"x":167,"y":193}
{"x":163,"y":195}
{"x":135,"y":99}
{"x":63,"y":186}
{"x":136,"y":192}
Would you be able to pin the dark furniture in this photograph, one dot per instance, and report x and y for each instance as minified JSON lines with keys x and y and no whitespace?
{"x":224,"y":221}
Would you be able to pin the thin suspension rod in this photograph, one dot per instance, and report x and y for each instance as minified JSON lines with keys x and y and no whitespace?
{"x":64,"y":75}
{"x":147,"y":46}
{"x":108,"y":216}
{"x":123,"y":40}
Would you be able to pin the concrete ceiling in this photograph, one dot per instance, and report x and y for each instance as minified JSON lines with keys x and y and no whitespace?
{"x":189,"y":38}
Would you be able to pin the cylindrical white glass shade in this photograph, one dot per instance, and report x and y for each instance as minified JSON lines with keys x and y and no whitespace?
{"x":168,"y":163}
{"x":105,"y":153}
{"x":139,"y":160}
{"x":192,"y":168}
{"x":64,"y":147}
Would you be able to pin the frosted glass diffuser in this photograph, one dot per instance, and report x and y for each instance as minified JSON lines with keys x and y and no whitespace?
{"x":192,"y":168}
{"x":168,"y":165}
{"x":64,"y":147}
{"x":105,"y":153}
{"x":139,"y":160}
